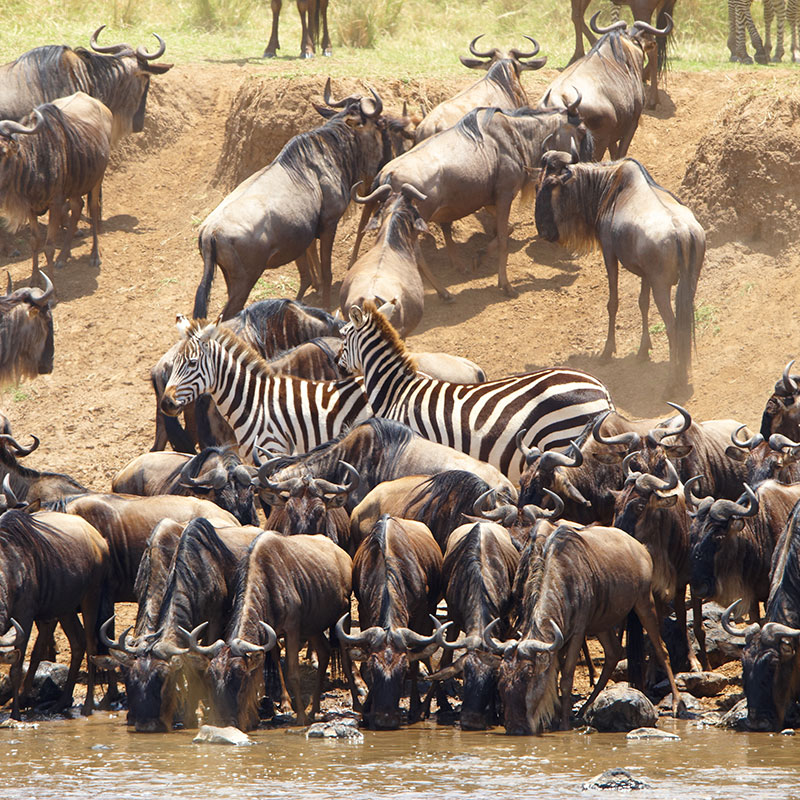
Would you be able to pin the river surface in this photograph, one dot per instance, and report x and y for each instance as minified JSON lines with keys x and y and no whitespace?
{"x":100,"y":758}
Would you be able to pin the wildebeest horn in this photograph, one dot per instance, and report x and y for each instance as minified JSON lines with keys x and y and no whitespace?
{"x":326,"y":94}
{"x":8,"y":126}
{"x":528,"y":647}
{"x":346,"y":638}
{"x":242,"y":475}
{"x":657,"y":434}
{"x":572,"y":108}
{"x":108,"y":48}
{"x":573,"y":150}
{"x":142,"y":53}
{"x":546,"y":140}
{"x":411,"y":192}
{"x":10,"y":284}
{"x":42,"y":298}
{"x":640,"y":25}
{"x":552,"y":458}
{"x":532,"y":512}
{"x":737,"y":633}
{"x":728,"y":509}
{"x":19,"y":450}
{"x":241,"y":647}
{"x":215,"y":479}
{"x":530,"y":453}
{"x":616,"y":26}
{"x":376,"y":103}
{"x":11,"y":498}
{"x":775,"y":629}
{"x":478,"y":505}
{"x":340,"y":488}
{"x":651,"y":483}
{"x":444,"y":644}
{"x":379,"y":195}
{"x":494,"y":645}
{"x":789,"y":384}
{"x":627,"y":472}
{"x":165,"y":650}
{"x":475,"y":52}
{"x":631,"y":439}
{"x":746,"y":444}
{"x":121,"y":643}
{"x":692,"y":500}
{"x":520,"y":54}
{"x":15,"y":631}
{"x":415,"y":641}
{"x":193,"y":636}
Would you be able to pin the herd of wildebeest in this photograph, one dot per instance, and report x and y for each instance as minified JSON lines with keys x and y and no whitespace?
{"x":527,"y":503}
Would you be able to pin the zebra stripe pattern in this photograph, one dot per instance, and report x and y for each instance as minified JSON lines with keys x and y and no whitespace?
{"x":277,"y":412}
{"x":482,"y":420}
{"x":739,"y":17}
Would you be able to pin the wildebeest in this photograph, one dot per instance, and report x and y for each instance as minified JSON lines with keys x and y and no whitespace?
{"x":733,"y":543}
{"x":390,"y":269}
{"x":777,"y":458}
{"x":770,"y":669}
{"x":26,"y":332}
{"x":53,"y":566}
{"x":782,"y":410}
{"x":117,"y":75}
{"x":397,"y":581}
{"x":290,"y":586}
{"x":270,"y":327}
{"x":583,"y":583}
{"x":501,"y":87}
{"x":276,"y":215}
{"x":54,"y":156}
{"x":478,"y":573}
{"x":380,"y":450}
{"x":620,"y":208}
{"x":199,"y":588}
{"x":309,"y":11}
{"x":609,"y":80}
{"x":485,"y":160}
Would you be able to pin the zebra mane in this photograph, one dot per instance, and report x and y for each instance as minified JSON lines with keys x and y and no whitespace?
{"x":237,"y":347}
{"x":390,"y":336}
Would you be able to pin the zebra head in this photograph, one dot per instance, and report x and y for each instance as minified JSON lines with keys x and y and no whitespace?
{"x":192,"y":372}
{"x":355,"y":333}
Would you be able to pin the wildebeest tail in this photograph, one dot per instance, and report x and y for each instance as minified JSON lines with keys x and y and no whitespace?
{"x":208,"y":250}
{"x":664,"y":43}
{"x":634,"y":650}
{"x":337,"y":670}
{"x":689,"y":272}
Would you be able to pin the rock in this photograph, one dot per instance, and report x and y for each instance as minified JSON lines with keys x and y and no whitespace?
{"x":727,"y":703}
{"x":49,"y":682}
{"x":720,"y":646}
{"x":652,"y":734}
{"x":787,"y":732}
{"x":343,"y":729}
{"x":616,"y":778}
{"x":701,"y":684}
{"x":736,"y":718}
{"x":688,"y":706}
{"x":210,"y":734}
{"x":18,"y":725}
{"x":621,"y":708}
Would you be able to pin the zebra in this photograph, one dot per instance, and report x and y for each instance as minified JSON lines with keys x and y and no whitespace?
{"x":275,"y":412}
{"x":782,"y":11}
{"x":482,"y":420}
{"x":739,"y":17}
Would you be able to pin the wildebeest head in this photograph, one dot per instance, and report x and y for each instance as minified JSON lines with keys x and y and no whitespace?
{"x":640,"y":492}
{"x":387,"y":654}
{"x":527,"y":679}
{"x":26,"y":330}
{"x":636,"y":42}
{"x":782,"y":411}
{"x":770,"y":673}
{"x":722,"y":519}
{"x":518,"y":60}
{"x":554,"y":179}
{"x":395,"y":213}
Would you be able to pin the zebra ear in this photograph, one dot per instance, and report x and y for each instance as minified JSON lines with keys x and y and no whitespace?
{"x":183,"y":324}
{"x":356,"y":316}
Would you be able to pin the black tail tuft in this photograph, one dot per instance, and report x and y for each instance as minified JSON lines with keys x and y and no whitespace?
{"x":634,"y":648}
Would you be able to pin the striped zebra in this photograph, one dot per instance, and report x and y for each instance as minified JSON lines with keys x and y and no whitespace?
{"x":782,"y":11}
{"x":739,"y":17}
{"x":277,"y":412}
{"x":482,"y":420}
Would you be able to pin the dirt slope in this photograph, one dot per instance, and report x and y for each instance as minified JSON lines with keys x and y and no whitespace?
{"x":95,"y":412}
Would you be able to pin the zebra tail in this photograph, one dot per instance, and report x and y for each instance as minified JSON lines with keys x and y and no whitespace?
{"x":208,"y":250}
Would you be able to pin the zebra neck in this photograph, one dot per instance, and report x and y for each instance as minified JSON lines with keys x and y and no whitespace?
{"x":387,"y":375}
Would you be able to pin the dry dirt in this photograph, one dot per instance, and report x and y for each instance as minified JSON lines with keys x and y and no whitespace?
{"x":96,"y":411}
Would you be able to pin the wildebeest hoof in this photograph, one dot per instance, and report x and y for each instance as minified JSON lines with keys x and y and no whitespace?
{"x":605,"y":356}
{"x":306,"y":55}
{"x":510,"y":290}
{"x":95,"y":261}
{"x":448,"y":297}
{"x":327,"y":52}
{"x":16,"y":253}
{"x":60,"y":263}
{"x":643,"y":354}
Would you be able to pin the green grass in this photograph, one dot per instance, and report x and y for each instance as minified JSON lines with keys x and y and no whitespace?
{"x":16,"y":394}
{"x":277,"y":286}
{"x":705,"y":319}
{"x":402,"y":38}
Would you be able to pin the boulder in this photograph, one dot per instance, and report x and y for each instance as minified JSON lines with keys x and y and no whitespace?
{"x":702,"y":684}
{"x":621,"y":708}
{"x":210,"y":734}
{"x":736,"y":718}
{"x":720,"y":646}
{"x":652,"y":734}
{"x":616,"y":778}
{"x":688,"y":706}
{"x":342,"y":729}
{"x":49,"y":682}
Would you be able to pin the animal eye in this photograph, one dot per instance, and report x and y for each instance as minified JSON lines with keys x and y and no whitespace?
{"x":787,"y":401}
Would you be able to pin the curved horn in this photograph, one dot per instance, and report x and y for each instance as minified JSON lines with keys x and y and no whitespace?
{"x":193,"y":636}
{"x":651,"y":483}
{"x":19,"y":450}
{"x":552,"y":458}
{"x":11,"y":498}
{"x":142,"y":53}
{"x":8,"y":126}
{"x":778,"y":442}
{"x":480,"y":502}
{"x":412,"y":193}
{"x":572,"y":108}
{"x":444,"y":644}
{"x":215,"y":479}
{"x":752,"y":507}
{"x":530,"y":453}
{"x":617,"y":26}
{"x":657,"y":434}
{"x":346,"y":638}
{"x":777,"y":629}
{"x":379,"y":195}
{"x":546,"y":140}
{"x":339,"y":488}
{"x":737,"y":633}
{"x":109,"y":48}
{"x":630,"y":440}
{"x":416,"y":641}
{"x":18,"y":632}
{"x":242,"y":475}
{"x":121,"y":643}
{"x":789,"y":384}
{"x":639,"y":25}
{"x":494,"y":645}
{"x":165,"y":650}
{"x":241,"y":647}
{"x":39,"y":297}
{"x":692,"y":500}
{"x":528,"y":647}
{"x":520,"y":54}
{"x":376,"y":103}
{"x":326,"y":94}
{"x":627,"y":472}
{"x":746,"y":444}
{"x":532,"y":512}
{"x":475,"y":52}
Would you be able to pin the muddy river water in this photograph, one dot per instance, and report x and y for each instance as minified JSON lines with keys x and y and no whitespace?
{"x":99,"y":758}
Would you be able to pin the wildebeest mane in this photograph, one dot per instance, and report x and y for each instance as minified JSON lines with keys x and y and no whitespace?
{"x":21,"y":336}
{"x":45,"y":75}
{"x":400,"y":233}
{"x":30,"y":535}
{"x":783,"y":605}
{"x":470,"y":126}
{"x":21,"y":476}
{"x":502,"y":74}
{"x":387,"y":575}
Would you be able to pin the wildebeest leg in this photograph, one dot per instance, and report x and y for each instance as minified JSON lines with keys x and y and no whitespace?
{"x":568,"y":665}
{"x":238,"y":287}
{"x":612,"y":271}
{"x":589,"y":662}
{"x":36,"y":246}
{"x":77,"y":646}
{"x":644,"y":309}
{"x":366,"y":212}
{"x":313,"y":263}
{"x":75,"y":209}
{"x":306,"y":42}
{"x":612,"y":653}
{"x":43,"y":639}
{"x":415,"y":702}
{"x":326,"y":39}
{"x":661,"y":297}
{"x":646,"y":611}
{"x":699,"y":630}
{"x":89,"y":611}
{"x":324,"y":655}
{"x":503,"y":210}
{"x":680,"y":618}
{"x":306,"y":275}
{"x":53,"y":226}
{"x":94,"y":212}
{"x":274,"y":44}
{"x":578,"y":22}
{"x":293,"y":675}
{"x":432,"y":279}
{"x":447,"y":230}
{"x":15,"y":658}
{"x":326,"y":238}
